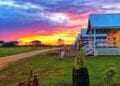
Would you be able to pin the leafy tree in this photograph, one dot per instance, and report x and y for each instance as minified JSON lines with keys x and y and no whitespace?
{"x":60,"y":42}
{"x":36,"y":43}
{"x":1,"y":42}
{"x":10,"y":44}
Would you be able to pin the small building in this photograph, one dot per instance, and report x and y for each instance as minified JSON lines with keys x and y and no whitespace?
{"x":85,"y":40}
{"x":105,"y":24}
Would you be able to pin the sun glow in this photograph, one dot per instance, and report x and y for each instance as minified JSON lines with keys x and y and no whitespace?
{"x":50,"y":39}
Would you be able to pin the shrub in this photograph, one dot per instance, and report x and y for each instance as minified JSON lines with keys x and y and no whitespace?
{"x":109,"y":75}
{"x":80,"y":60}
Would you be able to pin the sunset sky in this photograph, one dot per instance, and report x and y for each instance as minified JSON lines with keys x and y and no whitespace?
{"x":49,"y":20}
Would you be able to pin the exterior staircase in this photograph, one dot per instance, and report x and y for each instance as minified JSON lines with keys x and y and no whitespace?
{"x":88,"y":49}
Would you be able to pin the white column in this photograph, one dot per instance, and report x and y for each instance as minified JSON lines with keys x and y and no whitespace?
{"x":94,"y":40}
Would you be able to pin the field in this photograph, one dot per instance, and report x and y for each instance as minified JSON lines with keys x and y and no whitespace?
{"x":11,"y":51}
{"x":55,"y":72}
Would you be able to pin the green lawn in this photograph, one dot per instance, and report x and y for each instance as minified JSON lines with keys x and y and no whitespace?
{"x":16,"y":50}
{"x":55,"y":72}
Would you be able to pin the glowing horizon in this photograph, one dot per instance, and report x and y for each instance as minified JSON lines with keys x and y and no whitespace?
{"x":50,"y":39}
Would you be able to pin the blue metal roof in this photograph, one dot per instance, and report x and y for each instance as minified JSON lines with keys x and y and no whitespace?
{"x":84,"y":34}
{"x":104,"y":21}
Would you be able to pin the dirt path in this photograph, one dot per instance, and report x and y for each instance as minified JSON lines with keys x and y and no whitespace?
{"x":5,"y":60}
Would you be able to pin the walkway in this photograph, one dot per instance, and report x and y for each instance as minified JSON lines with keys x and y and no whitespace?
{"x":5,"y":60}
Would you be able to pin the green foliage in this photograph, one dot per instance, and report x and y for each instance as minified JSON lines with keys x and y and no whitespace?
{"x":109,"y":75}
{"x":53,"y":72}
{"x":80,"y":60}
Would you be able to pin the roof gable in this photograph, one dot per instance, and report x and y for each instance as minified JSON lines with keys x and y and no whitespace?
{"x":104,"y":20}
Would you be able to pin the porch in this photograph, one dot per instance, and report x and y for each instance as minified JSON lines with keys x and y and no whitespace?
{"x":103,"y":47}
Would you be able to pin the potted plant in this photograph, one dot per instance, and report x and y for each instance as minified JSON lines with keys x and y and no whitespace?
{"x":80,"y":75}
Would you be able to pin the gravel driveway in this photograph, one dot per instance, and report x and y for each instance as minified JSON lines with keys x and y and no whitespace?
{"x":7,"y":59}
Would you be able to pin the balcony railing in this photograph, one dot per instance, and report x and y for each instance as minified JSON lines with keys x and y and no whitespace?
{"x":107,"y":43}
{"x":102,"y":47}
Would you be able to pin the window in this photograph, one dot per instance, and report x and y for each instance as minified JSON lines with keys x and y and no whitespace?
{"x":114,"y":34}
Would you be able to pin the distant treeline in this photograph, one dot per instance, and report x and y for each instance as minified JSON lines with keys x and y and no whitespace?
{"x":8,"y":44}
{"x":34,"y":43}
